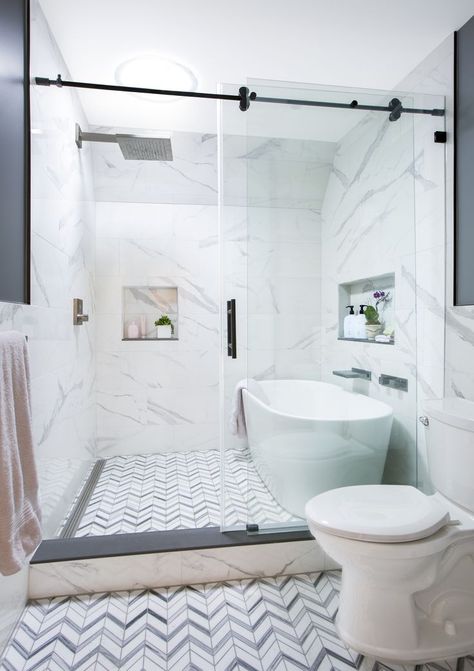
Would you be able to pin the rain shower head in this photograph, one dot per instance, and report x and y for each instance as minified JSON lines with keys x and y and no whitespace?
{"x":133,"y":147}
{"x":136,"y":148}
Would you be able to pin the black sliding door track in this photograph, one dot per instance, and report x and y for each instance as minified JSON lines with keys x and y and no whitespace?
{"x":244,"y":97}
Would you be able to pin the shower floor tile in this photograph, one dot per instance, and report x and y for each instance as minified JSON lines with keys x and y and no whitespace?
{"x":283,"y":623}
{"x":180,"y":490}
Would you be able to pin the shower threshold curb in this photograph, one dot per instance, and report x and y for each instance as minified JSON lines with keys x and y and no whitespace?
{"x":166,"y":559}
{"x":117,"y":545}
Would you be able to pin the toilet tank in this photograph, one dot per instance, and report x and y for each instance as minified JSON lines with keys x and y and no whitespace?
{"x":450,"y":448}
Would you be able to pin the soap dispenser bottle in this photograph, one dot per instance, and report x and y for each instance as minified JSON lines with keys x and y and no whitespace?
{"x":349,"y":323}
{"x":359,"y":324}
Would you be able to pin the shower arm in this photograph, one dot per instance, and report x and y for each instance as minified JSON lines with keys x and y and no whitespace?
{"x":394,"y":108}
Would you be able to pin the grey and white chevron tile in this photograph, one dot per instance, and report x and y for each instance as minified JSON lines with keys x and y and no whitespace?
{"x":178,"y":490}
{"x":284,"y":623}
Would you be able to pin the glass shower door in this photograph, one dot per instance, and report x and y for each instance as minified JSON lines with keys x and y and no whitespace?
{"x":287,"y":174}
{"x":318,"y":212}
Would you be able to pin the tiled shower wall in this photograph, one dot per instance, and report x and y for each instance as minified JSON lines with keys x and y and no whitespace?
{"x":62,"y":356}
{"x":157,"y":396}
{"x":425,"y":272}
{"x":368,"y":229}
{"x":157,"y":225}
{"x":435,"y":75}
{"x":271,"y":255}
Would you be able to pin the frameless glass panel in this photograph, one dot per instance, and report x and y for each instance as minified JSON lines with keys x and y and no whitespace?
{"x":336,"y":191}
{"x":330,"y":222}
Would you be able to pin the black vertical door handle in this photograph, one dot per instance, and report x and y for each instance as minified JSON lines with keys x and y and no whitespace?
{"x":231,"y":329}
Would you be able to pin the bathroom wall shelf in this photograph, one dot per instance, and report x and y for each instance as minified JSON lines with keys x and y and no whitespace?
{"x":142,"y":306}
{"x":374,"y":342}
{"x":360,"y":291}
{"x":148,"y":339}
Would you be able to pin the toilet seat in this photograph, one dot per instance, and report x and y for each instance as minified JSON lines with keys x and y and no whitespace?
{"x":377,"y":513}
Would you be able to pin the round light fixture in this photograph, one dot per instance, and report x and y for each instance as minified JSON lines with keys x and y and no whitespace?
{"x":155,"y":72}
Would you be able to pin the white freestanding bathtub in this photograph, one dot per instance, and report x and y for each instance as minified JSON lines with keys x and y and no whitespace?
{"x":307,"y":437}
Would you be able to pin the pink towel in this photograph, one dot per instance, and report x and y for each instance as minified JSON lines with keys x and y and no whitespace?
{"x":237,"y":423}
{"x":20,"y":531}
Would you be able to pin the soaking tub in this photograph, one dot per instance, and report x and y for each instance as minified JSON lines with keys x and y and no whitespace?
{"x":307,"y":437}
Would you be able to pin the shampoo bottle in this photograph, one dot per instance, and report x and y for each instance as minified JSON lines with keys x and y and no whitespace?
{"x":349,"y":323}
{"x":359,"y":324}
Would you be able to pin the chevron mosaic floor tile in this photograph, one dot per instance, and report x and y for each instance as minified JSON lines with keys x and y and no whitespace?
{"x":181,"y":490}
{"x":275,"y":624}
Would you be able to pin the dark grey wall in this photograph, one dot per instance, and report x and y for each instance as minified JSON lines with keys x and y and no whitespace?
{"x":464,"y":166}
{"x":14,"y":152}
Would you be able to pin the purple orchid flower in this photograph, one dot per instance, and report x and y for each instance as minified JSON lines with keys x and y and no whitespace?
{"x":381,"y":297}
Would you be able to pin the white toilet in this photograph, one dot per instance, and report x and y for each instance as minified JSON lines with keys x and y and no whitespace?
{"x":407,"y":559}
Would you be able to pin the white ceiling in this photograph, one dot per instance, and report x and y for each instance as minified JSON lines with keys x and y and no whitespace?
{"x":353,"y":43}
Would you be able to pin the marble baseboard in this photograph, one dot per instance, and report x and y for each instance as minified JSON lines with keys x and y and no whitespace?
{"x":167,"y":569}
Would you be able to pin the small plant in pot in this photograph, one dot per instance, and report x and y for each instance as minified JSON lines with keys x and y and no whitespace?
{"x":164,"y":327}
{"x":373,"y":326}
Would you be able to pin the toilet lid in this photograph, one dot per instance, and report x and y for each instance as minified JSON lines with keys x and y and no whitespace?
{"x":377,"y":513}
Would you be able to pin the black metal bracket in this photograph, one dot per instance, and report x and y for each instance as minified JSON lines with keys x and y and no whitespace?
{"x":252,"y":528}
{"x":396,"y":107}
{"x":440,"y":136}
{"x":245,"y":98}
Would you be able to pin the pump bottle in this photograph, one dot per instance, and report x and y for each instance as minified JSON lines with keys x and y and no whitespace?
{"x":349,"y":323}
{"x":359,"y":324}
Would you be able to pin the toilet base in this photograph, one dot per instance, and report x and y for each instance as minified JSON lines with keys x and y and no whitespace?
{"x":400,"y":607}
{"x":435,"y":653}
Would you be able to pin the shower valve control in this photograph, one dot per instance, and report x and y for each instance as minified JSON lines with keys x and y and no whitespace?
{"x":78,"y":317}
{"x":424,"y":420}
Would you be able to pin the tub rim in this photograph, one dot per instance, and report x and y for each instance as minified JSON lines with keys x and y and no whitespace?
{"x":389,"y":411}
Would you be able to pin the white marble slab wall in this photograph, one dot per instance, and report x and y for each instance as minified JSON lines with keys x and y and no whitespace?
{"x":368,"y":230}
{"x":435,"y":75}
{"x":420,"y":266}
{"x":191,"y":178}
{"x":62,"y":356}
{"x":272,"y":267}
{"x":445,"y":343}
{"x":156,"y":396}
{"x":279,"y":172}
{"x":159,"y":227}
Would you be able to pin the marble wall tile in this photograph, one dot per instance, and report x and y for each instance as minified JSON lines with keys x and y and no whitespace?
{"x":369,"y":228}
{"x":416,"y":207}
{"x":62,"y":267}
{"x":174,"y":386}
{"x":190,"y":178}
{"x":441,"y":364}
{"x":258,"y":171}
{"x":272,"y":267}
{"x":63,"y":232}
{"x":147,"y":391}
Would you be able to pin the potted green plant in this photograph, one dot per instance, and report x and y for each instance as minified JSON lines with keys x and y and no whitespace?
{"x":372,"y":322}
{"x":164,"y":327}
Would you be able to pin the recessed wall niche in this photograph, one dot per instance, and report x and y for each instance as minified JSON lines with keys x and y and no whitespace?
{"x":142,"y":306}
{"x":361,"y":292}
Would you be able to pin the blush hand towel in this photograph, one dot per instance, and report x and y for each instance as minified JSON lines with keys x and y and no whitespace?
{"x":20,"y":530}
{"x":237,"y":423}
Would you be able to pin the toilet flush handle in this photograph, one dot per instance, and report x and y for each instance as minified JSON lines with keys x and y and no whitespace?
{"x":424,"y":420}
